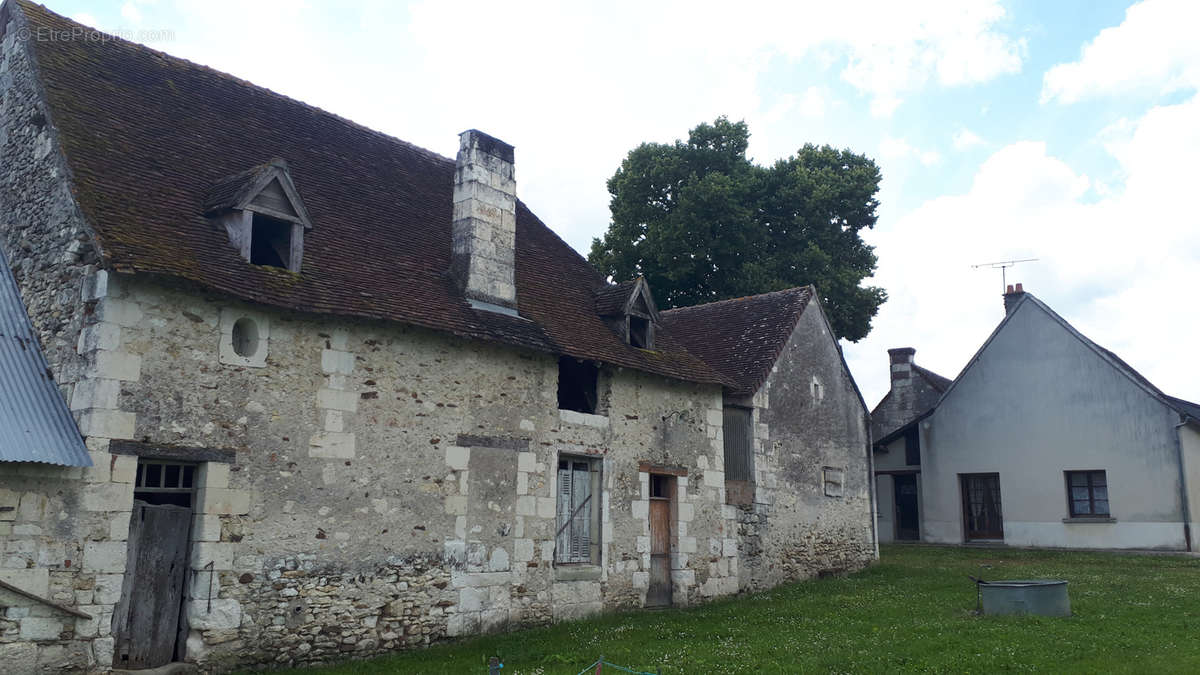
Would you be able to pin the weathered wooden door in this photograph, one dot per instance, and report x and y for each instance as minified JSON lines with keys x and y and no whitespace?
{"x":661,"y":492}
{"x":907,"y":524}
{"x":146,"y":623}
{"x":982,"y":517}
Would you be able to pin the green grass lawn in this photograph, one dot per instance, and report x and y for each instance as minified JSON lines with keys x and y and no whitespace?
{"x":912,"y":612}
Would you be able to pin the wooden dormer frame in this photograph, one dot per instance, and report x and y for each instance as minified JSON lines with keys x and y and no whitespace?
{"x":621,"y":320}
{"x":239,"y":201}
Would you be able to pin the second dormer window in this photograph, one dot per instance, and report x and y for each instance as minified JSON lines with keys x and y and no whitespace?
{"x":629,"y":310}
{"x":640,"y":332}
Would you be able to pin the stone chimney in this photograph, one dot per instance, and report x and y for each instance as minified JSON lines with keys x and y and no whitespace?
{"x":1012,"y":295}
{"x":901,"y":360}
{"x":484,"y":231}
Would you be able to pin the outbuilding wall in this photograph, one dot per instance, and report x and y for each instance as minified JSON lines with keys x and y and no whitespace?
{"x":809,"y":420}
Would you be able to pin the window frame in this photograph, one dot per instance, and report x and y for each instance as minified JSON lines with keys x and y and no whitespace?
{"x":1089,"y":476}
{"x":592,"y":523}
{"x":588,"y":392}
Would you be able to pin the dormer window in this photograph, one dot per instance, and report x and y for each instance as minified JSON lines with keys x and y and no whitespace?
{"x":263,"y":215}
{"x":628,"y":308}
{"x":270,"y":241}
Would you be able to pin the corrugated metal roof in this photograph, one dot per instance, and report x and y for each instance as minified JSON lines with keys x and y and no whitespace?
{"x":35,"y":424}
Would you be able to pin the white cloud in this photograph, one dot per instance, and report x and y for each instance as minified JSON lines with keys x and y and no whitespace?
{"x":1119,"y":269}
{"x":898,"y":149}
{"x":1154,"y":50}
{"x":965,"y":139}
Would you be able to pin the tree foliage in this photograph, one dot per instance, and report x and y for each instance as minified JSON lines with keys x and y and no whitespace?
{"x":702,"y":223}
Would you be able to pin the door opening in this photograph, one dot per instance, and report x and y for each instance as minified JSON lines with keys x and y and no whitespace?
{"x":148,"y":624}
{"x":908,"y":526}
{"x":982,"y":513}
{"x":662,"y":500}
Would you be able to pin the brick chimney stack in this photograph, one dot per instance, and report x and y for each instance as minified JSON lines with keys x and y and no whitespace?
{"x":901,"y":360}
{"x":484,"y":229}
{"x":1012,"y":295}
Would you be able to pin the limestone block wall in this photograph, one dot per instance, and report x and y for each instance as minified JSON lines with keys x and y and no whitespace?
{"x":394,"y":486}
{"x":810,"y":429}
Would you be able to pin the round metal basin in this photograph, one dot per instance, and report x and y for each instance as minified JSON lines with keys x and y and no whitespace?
{"x":1044,"y":597}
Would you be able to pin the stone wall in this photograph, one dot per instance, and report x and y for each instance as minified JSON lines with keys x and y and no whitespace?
{"x":810,"y":428}
{"x":394,"y":486}
{"x":41,"y":230}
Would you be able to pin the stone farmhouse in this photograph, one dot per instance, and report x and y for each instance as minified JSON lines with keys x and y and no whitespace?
{"x":1044,"y":439}
{"x":340,"y":395}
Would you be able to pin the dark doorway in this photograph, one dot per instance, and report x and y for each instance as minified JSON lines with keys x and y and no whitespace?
{"x":662,"y":494}
{"x":148,"y":624}
{"x":981,"y":506}
{"x":908,"y":526}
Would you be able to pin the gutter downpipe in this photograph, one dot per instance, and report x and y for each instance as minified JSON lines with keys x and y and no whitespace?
{"x":1183,"y":491}
{"x":871,"y":485}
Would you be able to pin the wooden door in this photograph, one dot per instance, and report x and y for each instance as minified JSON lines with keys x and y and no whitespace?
{"x":661,"y":493}
{"x":908,"y":525}
{"x":982,"y":514}
{"x":146,"y":623}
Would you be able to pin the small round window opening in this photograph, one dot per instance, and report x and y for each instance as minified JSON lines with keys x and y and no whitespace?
{"x":245,"y":337}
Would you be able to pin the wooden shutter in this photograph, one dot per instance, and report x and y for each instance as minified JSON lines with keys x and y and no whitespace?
{"x":562,"y":546}
{"x":581,"y":524}
{"x":739,"y":444}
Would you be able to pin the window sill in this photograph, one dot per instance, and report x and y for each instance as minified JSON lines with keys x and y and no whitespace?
{"x":1089,"y":519}
{"x":585,"y":419}
{"x":577,"y":572}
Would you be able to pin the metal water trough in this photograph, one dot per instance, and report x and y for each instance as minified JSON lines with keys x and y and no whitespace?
{"x":1043,"y":597}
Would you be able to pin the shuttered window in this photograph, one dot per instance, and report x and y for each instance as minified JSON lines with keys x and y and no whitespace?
{"x":578,"y":511}
{"x":739,"y":444}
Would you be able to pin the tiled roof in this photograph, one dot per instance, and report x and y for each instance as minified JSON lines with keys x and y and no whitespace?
{"x":147,"y":136}
{"x":743,"y":337}
{"x":611,"y":299}
{"x":35,"y":424}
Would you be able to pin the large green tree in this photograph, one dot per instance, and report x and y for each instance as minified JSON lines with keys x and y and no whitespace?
{"x":702,"y":222}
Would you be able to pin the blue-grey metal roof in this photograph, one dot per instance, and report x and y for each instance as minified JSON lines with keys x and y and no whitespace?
{"x":35,"y":423}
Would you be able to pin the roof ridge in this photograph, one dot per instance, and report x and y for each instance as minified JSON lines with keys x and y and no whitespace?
{"x":26,"y":5}
{"x":743,"y":298}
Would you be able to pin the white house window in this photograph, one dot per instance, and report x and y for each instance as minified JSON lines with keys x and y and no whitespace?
{"x":818,"y":391}
{"x":1087,"y":494}
{"x":578,"y":492}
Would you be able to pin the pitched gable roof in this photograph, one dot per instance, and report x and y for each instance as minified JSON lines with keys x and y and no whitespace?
{"x":146,"y":136}
{"x":740,"y":338}
{"x":35,"y":424}
{"x":1186,"y":409}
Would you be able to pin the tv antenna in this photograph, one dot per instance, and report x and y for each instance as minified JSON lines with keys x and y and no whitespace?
{"x":1003,"y":266}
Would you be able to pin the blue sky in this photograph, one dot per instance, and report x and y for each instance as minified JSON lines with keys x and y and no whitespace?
{"x":1065,"y":131}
